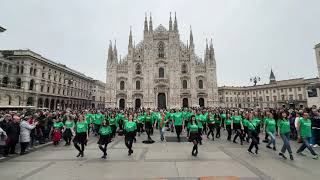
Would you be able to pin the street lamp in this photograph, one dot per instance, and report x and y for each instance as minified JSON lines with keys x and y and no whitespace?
{"x":255,"y":80}
{"x":70,"y":82}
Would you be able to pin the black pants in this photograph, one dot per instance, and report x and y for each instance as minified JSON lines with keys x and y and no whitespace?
{"x":229,"y":132}
{"x":103,"y":148}
{"x":245,"y":133}
{"x":140,"y":128}
{"x":80,"y":149}
{"x":113,"y":128}
{"x":204,"y":127}
{"x":67,"y":136}
{"x":11,"y":147}
{"x":195,"y":148}
{"x":128,"y":140}
{"x":254,"y":140}
{"x":23,"y":147}
{"x":238,"y":134}
{"x":178,"y":131}
{"x":218,"y":131}
{"x":211,"y":130}
{"x":148,"y":127}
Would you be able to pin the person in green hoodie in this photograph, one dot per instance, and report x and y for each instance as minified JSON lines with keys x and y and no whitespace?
{"x":284,"y":131}
{"x":105,"y":133}
{"x":130,"y":128}
{"x":304,"y":129}
{"x":81,"y":135}
{"x":178,"y":123}
{"x":194,"y":135}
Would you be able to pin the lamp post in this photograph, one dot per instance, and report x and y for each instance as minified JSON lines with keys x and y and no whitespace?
{"x":255,"y":80}
{"x":70,"y":82}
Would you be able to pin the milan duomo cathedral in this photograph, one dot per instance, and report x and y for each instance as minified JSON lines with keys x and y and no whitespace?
{"x":161,"y":71}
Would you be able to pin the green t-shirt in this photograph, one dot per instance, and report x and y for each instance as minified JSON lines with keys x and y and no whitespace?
{"x":69,"y":124}
{"x":177,"y":117}
{"x":81,"y":127}
{"x":284,"y":126}
{"x":130,"y":126}
{"x":193,"y":128}
{"x":271,"y":125}
{"x":223,"y":116}
{"x":218,"y":120}
{"x":212,"y":119}
{"x":105,"y":130}
{"x":198,"y":119}
{"x":112,"y":121}
{"x":89,"y":118}
{"x":148,"y":118}
{"x":58,"y":125}
{"x":245,"y":122}
{"x":256,"y":122}
{"x":236,"y":119}
{"x":228,"y":121}
{"x":98,"y":118}
{"x":305,"y":127}
{"x":251,"y":126}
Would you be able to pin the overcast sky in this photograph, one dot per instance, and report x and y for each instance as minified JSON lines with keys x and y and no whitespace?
{"x":250,"y":36}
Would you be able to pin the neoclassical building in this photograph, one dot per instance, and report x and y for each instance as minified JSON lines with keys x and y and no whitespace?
{"x":161,"y":71}
{"x":27,"y":78}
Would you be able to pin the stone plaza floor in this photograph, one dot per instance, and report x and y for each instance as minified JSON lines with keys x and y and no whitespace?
{"x":161,"y":160}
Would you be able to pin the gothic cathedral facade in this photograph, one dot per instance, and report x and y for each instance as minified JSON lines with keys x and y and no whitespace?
{"x":161,"y":72}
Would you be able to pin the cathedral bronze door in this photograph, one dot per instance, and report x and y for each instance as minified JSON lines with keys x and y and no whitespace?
{"x":162,"y":100}
{"x":121,"y":104}
{"x":185,"y":102}
{"x":201,"y":102}
{"x":137,"y":103}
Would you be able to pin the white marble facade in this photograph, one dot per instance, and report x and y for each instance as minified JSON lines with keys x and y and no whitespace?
{"x":161,"y":71}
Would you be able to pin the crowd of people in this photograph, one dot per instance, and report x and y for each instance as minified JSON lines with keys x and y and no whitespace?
{"x":30,"y":128}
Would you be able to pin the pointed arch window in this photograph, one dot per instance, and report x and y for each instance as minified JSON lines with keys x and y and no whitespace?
{"x":138,"y":69}
{"x":122,"y":85}
{"x":161,"y":72}
{"x":200,"y":84}
{"x":184,"y":84}
{"x":184,"y":69}
{"x":161,"y":49}
{"x":138,"y":85}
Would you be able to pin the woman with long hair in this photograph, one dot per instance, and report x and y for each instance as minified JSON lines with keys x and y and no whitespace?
{"x":284,"y":131}
{"x":194,"y":135}
{"x":237,"y":127}
{"x":304,"y":129}
{"x":252,"y":133}
{"x":228,"y":125}
{"x":130,"y":128}
{"x":68,"y":130}
{"x":211,"y":124}
{"x":271,"y":130}
{"x":81,"y":135}
{"x":105,"y":133}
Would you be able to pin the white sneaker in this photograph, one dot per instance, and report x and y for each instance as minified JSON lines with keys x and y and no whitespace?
{"x":316,"y":145}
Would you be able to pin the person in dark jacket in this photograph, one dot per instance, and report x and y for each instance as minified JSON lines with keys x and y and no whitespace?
{"x":315,"y":124}
{"x":13,"y":132}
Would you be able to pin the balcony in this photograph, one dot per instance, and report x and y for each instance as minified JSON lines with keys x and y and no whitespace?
{"x":161,"y":80}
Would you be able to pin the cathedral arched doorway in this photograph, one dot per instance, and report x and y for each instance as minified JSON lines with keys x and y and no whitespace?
{"x":185,"y":102}
{"x":201,"y":102}
{"x":121,"y":103}
{"x":137,"y":103}
{"x":162,"y":101}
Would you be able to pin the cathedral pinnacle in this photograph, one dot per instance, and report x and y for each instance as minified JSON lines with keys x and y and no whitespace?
{"x":175,"y":24}
{"x":145,"y":23}
{"x":191,"y":38}
{"x":130,"y":38}
{"x":150,"y":24}
{"x":115,"y":52}
{"x":170,"y":23}
{"x":110,"y":52}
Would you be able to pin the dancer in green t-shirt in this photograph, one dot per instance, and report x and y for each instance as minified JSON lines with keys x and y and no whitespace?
{"x":81,"y":135}
{"x":105,"y":133}
{"x":130,"y":128}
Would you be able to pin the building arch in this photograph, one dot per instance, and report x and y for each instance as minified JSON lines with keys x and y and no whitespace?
{"x":138,"y":69}
{"x":201,"y":102}
{"x":31,"y":85}
{"x":5,"y":81}
{"x":138,"y":85}
{"x":161,"y":48}
{"x":200,"y":84}
{"x":122,"y":85}
{"x":184,"y":84}
{"x":30,"y":101}
{"x":40,"y":103}
{"x":184,"y":68}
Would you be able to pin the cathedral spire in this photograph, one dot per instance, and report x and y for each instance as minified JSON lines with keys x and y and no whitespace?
{"x":145,"y":23}
{"x":170,"y":23}
{"x":211,"y":54}
{"x":150,"y":24}
{"x":207,"y":50}
{"x":130,"y":38}
{"x":175,"y":24}
{"x":110,"y":52}
{"x":191,"y":39}
{"x":115,"y":52}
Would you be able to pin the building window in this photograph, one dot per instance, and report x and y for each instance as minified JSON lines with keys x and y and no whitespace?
{"x":137,"y":85}
{"x":184,"y":69}
{"x":300,"y":97}
{"x":282,"y":97}
{"x":282,"y":90}
{"x":31,"y":84}
{"x":18,"y":83}
{"x":274,"y":98}
{"x":299,"y":88}
{"x":267,"y":98}
{"x":41,"y":88}
{"x":290,"y":89}
{"x":291,"y":97}
{"x":227,"y":99}
{"x":42,"y":75}
{"x":184,"y":84}
{"x":200,"y":84}
{"x":161,"y":50}
{"x":274,"y":91}
{"x":48,"y":89}
{"x":161,"y":72}
{"x":138,"y":69}
{"x":31,"y":71}
{"x":122,"y":85}
{"x":34,"y":72}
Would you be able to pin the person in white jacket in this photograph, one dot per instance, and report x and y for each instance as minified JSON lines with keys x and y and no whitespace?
{"x":25,"y":130}
{"x":3,"y":138}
